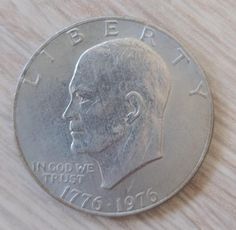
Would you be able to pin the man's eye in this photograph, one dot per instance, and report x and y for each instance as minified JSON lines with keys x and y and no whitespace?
{"x":82,"y":97}
{"x":77,"y":95}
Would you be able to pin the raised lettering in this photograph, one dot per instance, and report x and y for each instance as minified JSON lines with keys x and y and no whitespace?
{"x":118,"y":205}
{"x":76,"y":193}
{"x":130,"y":201}
{"x":90,"y":168}
{"x":65,"y":191}
{"x":181,"y":57}
{"x":151,"y":195}
{"x":73,"y":194}
{"x":148,"y":34}
{"x":87,"y":198}
{"x":139,"y":196}
{"x":97,"y":203}
{"x":198,"y":91}
{"x":76,"y":36}
{"x":32,"y":82}
{"x":52,"y":166}
{"x":111,"y":28}
{"x":61,"y":167}
{"x":47,"y":55}
{"x":39,"y":165}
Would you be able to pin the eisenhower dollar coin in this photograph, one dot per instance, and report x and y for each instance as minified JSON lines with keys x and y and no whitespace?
{"x":113,"y":116}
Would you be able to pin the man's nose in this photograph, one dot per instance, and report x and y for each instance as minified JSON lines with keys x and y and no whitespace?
{"x":70,"y":113}
{"x":65,"y":114}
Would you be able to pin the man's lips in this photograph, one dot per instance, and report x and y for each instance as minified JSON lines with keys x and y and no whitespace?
{"x":76,"y":134}
{"x":76,"y":131}
{"x":75,"y":128}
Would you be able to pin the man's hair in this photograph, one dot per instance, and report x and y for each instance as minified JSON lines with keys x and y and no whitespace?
{"x":131,"y":65}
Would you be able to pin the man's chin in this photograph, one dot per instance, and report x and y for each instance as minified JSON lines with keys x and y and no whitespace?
{"x":77,"y":148}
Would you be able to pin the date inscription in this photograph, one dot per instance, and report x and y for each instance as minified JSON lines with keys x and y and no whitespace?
{"x":98,"y":203}
{"x":138,"y":200}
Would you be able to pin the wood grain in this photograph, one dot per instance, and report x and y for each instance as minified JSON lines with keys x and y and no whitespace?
{"x":207,"y":29}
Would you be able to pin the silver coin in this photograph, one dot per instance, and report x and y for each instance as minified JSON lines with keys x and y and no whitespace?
{"x":113,"y":116}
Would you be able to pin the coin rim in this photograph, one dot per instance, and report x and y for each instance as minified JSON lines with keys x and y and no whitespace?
{"x":187,"y":179}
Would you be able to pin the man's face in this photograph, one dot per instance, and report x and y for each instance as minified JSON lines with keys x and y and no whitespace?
{"x":94,"y":110}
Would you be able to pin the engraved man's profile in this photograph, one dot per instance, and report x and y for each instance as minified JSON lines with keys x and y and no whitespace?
{"x":118,"y":94}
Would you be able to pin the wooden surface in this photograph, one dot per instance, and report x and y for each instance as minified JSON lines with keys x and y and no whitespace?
{"x":208,"y":29}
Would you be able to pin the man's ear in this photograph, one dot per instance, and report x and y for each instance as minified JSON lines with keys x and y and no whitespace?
{"x":137,"y":106}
